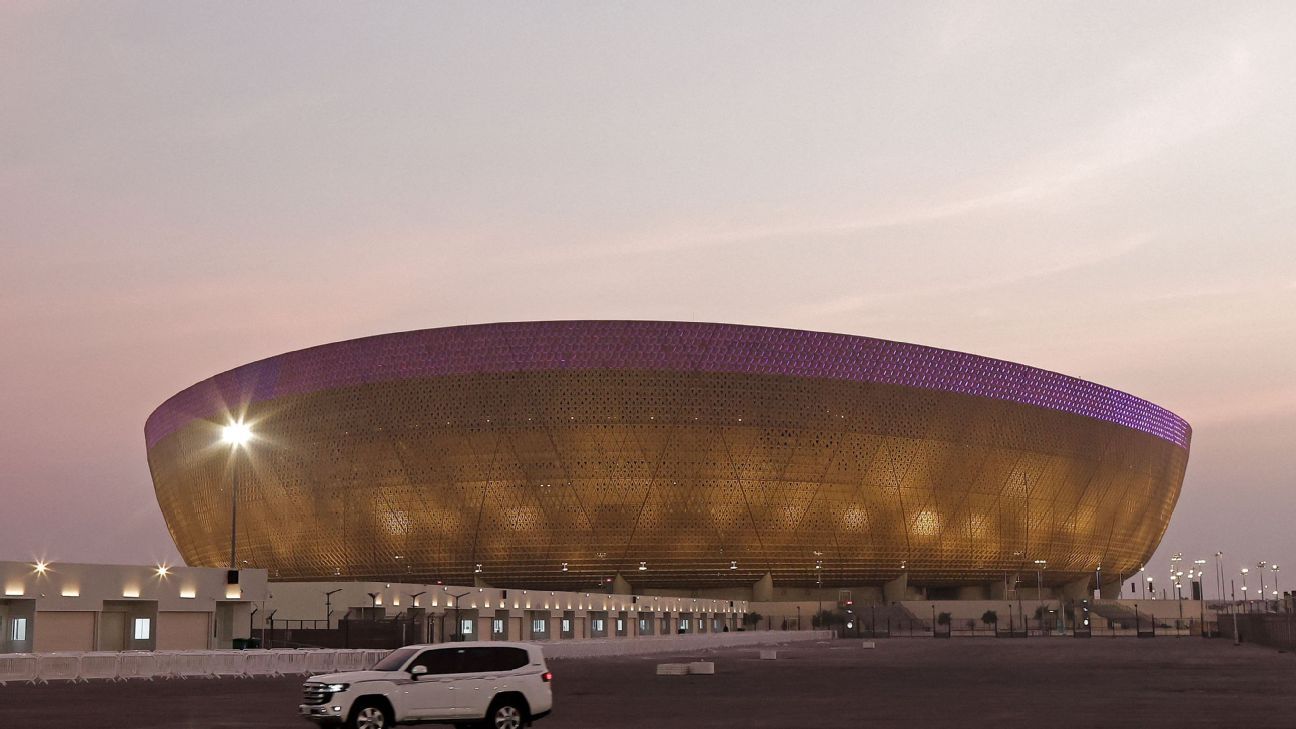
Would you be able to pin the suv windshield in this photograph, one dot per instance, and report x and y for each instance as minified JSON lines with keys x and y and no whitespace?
{"x":394,"y":660}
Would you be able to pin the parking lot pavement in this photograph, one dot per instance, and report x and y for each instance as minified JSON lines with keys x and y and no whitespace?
{"x":964,"y":683}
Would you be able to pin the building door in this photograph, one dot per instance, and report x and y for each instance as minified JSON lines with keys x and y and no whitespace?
{"x":112,"y":631}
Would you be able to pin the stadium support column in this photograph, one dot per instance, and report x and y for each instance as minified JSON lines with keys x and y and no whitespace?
{"x":897,"y":589}
{"x":620,"y":586}
{"x":1076,"y":590}
{"x":763,"y":590}
{"x":1111,"y":589}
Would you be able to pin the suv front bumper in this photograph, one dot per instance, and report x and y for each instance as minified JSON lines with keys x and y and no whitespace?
{"x":323,"y":715}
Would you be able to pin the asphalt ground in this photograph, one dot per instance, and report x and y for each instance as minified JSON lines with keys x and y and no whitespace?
{"x":964,"y":683}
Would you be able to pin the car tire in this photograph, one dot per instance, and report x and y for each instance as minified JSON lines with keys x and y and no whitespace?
{"x":506,"y":713}
{"x":369,"y":714}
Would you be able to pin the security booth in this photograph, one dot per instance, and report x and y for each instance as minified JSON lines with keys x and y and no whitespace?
{"x":567,"y":629}
{"x":465,"y":624}
{"x":128,"y":625}
{"x":622,"y":624}
{"x":647,"y":624}
{"x":499,"y":625}
{"x":537,"y":625}
{"x":17,"y":621}
{"x":598,"y":624}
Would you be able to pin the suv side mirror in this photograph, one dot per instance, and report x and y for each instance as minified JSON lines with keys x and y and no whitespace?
{"x":417,"y":671}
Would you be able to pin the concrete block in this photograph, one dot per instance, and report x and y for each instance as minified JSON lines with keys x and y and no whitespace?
{"x":869,"y":644}
{"x":672,"y":669}
{"x":768,"y":655}
{"x":701,"y":668}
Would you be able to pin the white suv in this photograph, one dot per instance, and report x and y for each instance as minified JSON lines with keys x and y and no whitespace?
{"x":498,"y":685}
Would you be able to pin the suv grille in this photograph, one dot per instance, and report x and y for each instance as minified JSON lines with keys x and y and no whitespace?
{"x":314,"y":694}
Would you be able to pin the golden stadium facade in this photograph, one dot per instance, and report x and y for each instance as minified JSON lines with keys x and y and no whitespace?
{"x":677,"y":455}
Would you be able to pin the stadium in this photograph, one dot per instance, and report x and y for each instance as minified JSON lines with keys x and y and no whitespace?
{"x":670,"y":456}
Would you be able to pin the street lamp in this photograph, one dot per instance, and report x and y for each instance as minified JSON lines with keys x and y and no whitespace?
{"x":1277,"y":595}
{"x":237,"y":435}
{"x":1219,"y":574}
{"x":1260,"y":567}
{"x":1244,"y":598}
{"x":1143,"y":571}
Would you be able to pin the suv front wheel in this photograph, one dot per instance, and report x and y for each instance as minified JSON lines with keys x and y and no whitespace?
{"x":369,"y":715}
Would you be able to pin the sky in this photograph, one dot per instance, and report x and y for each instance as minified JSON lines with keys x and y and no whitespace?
{"x":1101,"y":189}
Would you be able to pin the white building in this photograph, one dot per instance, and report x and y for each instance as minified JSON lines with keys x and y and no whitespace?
{"x":57,"y":606}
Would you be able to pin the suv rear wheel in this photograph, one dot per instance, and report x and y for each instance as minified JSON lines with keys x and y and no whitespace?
{"x":369,"y":715}
{"x":506,"y":713}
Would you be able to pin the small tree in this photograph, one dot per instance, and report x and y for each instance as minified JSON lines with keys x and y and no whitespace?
{"x":828,"y":619}
{"x":751,"y":620}
{"x":990,"y":618}
{"x":943,"y":619}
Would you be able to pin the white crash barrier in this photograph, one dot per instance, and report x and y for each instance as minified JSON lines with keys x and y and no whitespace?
{"x":138,"y":664}
{"x":645,"y":645}
{"x":45,"y":667}
{"x":58,"y":667}
{"x":260,"y":663}
{"x":318,"y":662}
{"x":17,"y":667}
{"x":350,"y":661}
{"x":291,"y":662}
{"x":228,"y":663}
{"x":102,"y":665}
{"x":186,"y":664}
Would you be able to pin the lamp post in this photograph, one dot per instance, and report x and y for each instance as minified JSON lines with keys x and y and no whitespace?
{"x":1219,"y":575}
{"x":1143,"y":571}
{"x":1039,"y":589}
{"x":237,"y":435}
{"x":1264,"y":602}
{"x":458,"y":634}
{"x":1277,"y":594}
{"x":328,"y":607}
{"x":1244,"y":596}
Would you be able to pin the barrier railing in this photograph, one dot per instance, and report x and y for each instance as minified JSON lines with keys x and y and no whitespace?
{"x":148,"y":665}
{"x":17,"y":667}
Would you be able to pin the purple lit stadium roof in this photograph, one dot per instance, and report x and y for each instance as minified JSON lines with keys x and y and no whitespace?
{"x":652,"y":345}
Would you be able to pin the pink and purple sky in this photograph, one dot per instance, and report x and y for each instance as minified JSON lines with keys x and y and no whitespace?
{"x":1101,"y":189}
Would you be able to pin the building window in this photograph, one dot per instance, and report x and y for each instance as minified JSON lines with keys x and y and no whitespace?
{"x":620,"y":625}
{"x":466,"y":626}
{"x":566,"y":625}
{"x":497,"y":626}
{"x":142,"y":626}
{"x":598,"y":625}
{"x":643,"y":626}
{"x":538,"y":626}
{"x":18,"y":629}
{"x":684,"y":623}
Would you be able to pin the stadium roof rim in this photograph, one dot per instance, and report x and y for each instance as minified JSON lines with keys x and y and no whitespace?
{"x":591,"y":344}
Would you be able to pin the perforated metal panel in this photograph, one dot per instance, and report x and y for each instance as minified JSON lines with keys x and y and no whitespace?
{"x":556,"y":454}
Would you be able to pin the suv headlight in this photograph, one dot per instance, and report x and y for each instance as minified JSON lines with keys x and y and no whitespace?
{"x":337,"y":687}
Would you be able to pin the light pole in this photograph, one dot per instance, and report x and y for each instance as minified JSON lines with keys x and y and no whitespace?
{"x":1039,"y":588}
{"x":237,"y":435}
{"x":328,"y":607}
{"x":1264,"y":602}
{"x":1142,"y":572}
{"x":1277,"y":594}
{"x":1219,"y":575}
{"x":1244,"y":599}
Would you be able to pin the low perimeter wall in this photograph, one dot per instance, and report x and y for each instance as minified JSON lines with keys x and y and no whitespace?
{"x":150,"y":665}
{"x":1277,"y":630}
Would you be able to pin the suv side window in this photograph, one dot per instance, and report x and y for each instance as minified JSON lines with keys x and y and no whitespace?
{"x":438,"y":661}
{"x":482,"y":660}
